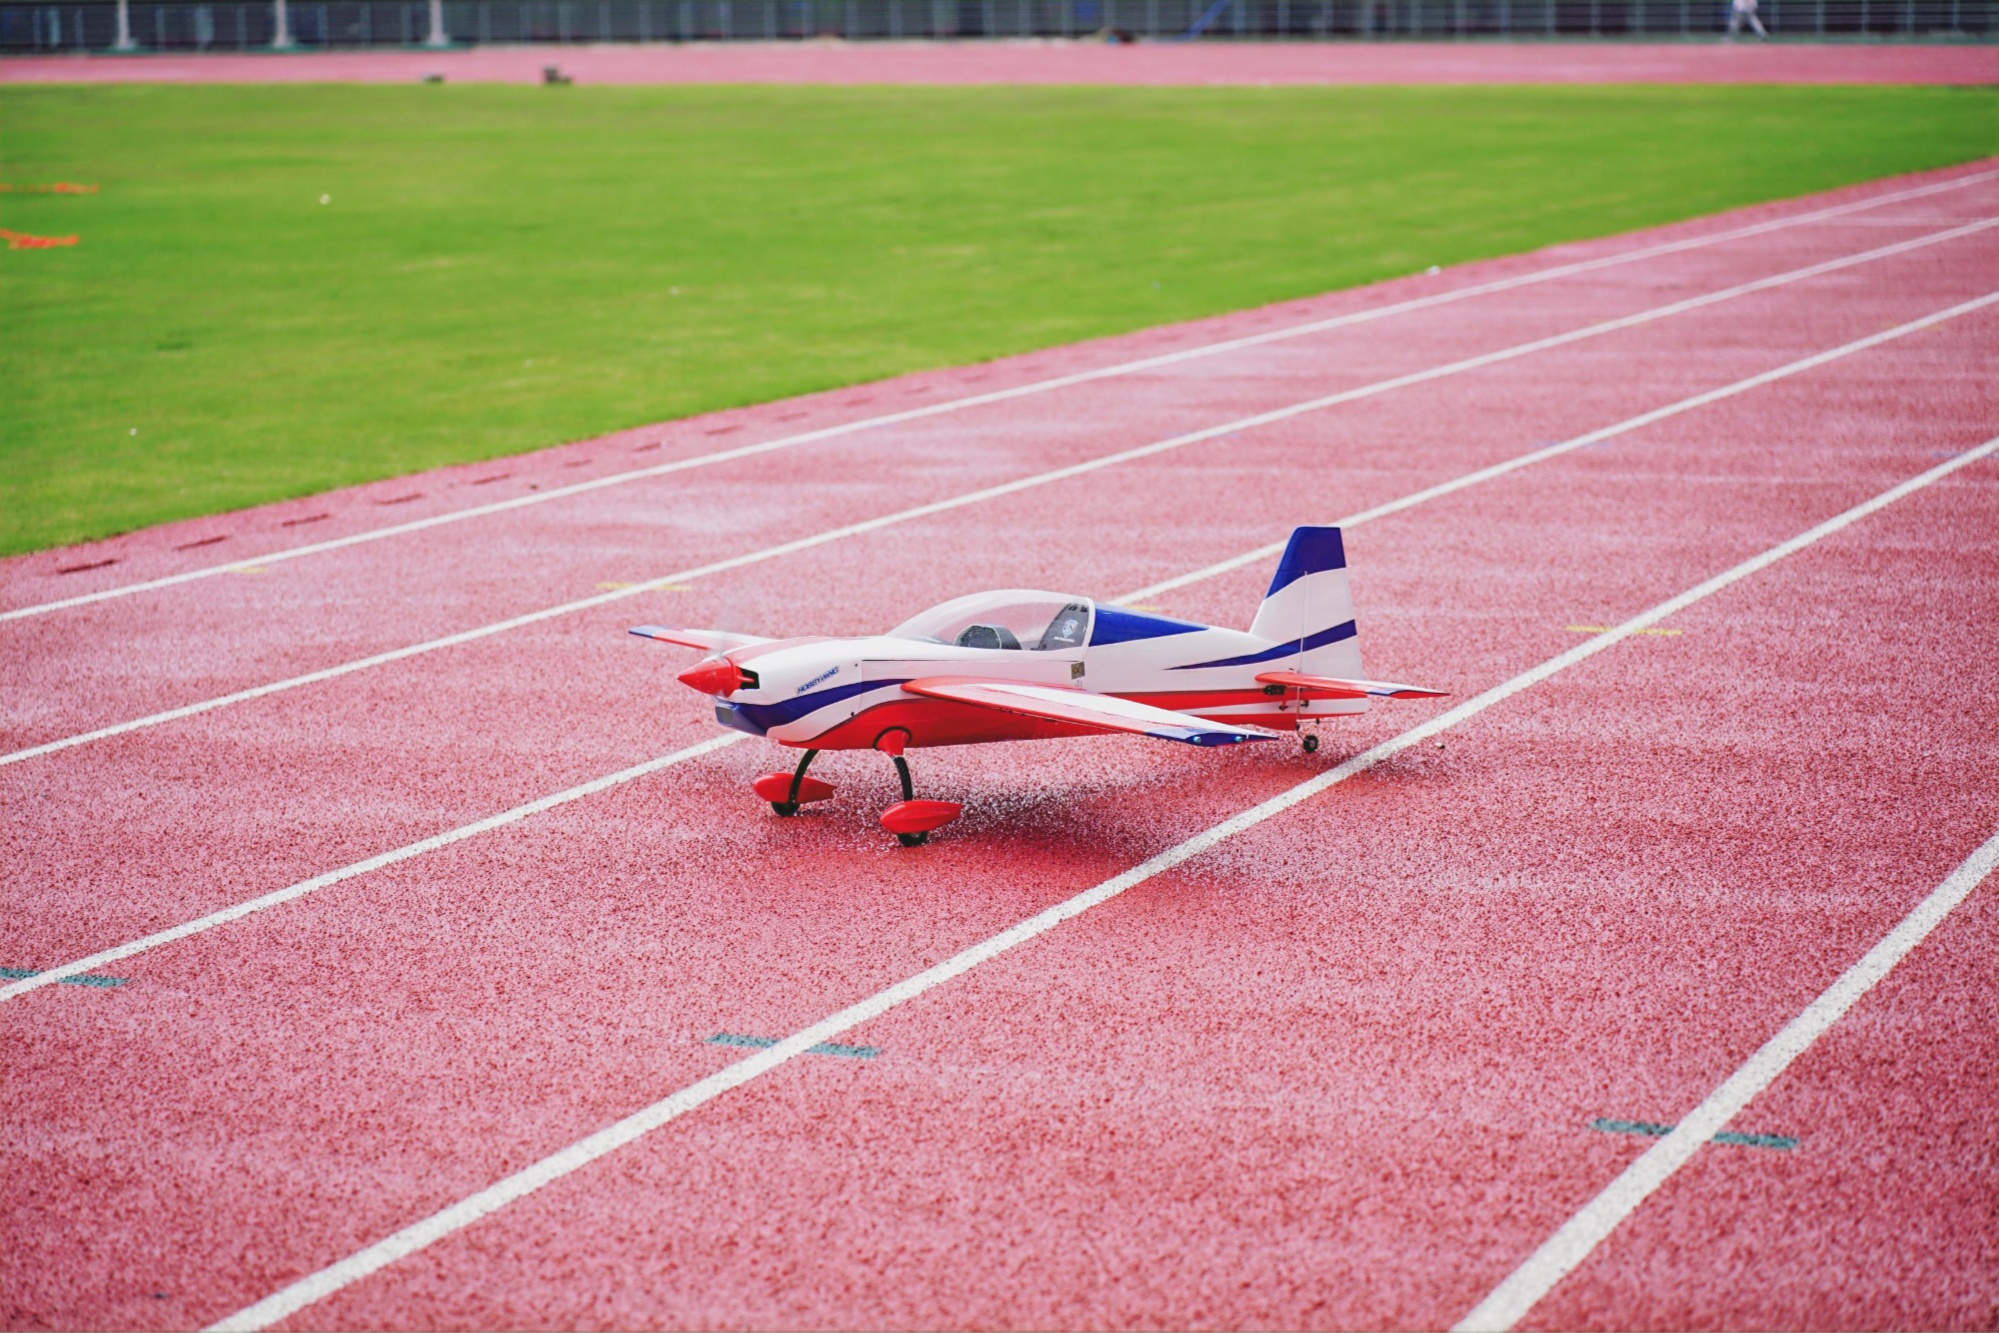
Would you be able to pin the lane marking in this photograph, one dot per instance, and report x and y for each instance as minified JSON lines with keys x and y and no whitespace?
{"x":1529,"y":459}
{"x":1581,"y":1234}
{"x":222,"y":918}
{"x":1098,"y":464}
{"x":1905,"y":222}
{"x":823,"y":1048}
{"x":20,"y":973}
{"x":1782,"y":1142}
{"x":1598,"y":629}
{"x":1765,"y":377}
{"x":1019,"y":391}
{"x":248,"y":907}
{"x":317,"y":1286}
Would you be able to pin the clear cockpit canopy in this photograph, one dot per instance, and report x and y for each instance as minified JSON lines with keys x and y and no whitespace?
{"x":1013,"y":618}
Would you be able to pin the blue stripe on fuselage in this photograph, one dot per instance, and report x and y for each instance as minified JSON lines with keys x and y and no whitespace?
{"x":1116,"y":626}
{"x":767,"y":716}
{"x":1287,"y":649}
{"x":731,"y":716}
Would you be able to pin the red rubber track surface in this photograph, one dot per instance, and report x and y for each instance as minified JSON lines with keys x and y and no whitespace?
{"x":1338,"y":1072}
{"x":1018,"y":62}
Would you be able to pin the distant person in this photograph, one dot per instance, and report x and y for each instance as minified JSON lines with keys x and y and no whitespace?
{"x":1744,"y":11}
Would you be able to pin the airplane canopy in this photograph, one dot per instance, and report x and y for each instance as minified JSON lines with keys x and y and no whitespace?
{"x":1009,"y":618}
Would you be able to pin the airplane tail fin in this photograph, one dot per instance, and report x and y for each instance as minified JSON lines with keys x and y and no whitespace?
{"x":1309,"y":605}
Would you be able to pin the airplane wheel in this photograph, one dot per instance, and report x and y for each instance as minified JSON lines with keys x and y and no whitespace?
{"x":912,"y":839}
{"x":1311,"y":744}
{"x":785,"y":808}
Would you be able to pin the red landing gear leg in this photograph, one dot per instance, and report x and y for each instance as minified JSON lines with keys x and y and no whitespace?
{"x":911,"y":820}
{"x":787,"y":791}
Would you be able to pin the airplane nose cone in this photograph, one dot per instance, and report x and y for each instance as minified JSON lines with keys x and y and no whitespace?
{"x":714,"y":675}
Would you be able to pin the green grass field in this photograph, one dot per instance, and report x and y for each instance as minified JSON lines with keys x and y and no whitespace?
{"x":502,"y":268}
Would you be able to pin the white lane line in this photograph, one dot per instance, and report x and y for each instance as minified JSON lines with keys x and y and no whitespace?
{"x":317,"y":1286}
{"x":994,"y":492}
{"x":1581,"y":1234}
{"x":445,"y":839}
{"x":1415,"y":498}
{"x":238,"y":911}
{"x":1394,"y":506}
{"x":1005,"y":395}
{"x":1904,"y":222}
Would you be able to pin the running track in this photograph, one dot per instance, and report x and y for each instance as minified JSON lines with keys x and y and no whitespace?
{"x":1334,"y":1067}
{"x":1154,"y":64}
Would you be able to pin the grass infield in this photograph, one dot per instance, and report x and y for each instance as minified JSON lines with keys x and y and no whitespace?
{"x":500,"y":268}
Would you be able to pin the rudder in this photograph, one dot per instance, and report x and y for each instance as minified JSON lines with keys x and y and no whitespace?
{"x":1309,"y":604}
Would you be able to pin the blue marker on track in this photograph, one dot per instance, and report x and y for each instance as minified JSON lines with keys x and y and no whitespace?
{"x":23,"y":973}
{"x":823,"y":1048}
{"x":1781,"y":1142}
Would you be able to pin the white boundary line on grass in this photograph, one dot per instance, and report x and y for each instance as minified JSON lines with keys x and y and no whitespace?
{"x":1005,"y":395}
{"x":317,"y":1286}
{"x":116,"y":953}
{"x":983,"y":494}
{"x":1578,"y":1237}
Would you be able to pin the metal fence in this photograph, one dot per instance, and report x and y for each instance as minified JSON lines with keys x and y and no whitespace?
{"x":378,"y":23}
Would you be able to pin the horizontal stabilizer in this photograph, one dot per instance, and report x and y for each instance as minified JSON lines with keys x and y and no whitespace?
{"x":709,"y":640}
{"x":1056,"y":703}
{"x":1333,"y":687}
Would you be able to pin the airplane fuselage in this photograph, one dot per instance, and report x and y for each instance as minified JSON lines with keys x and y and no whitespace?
{"x":1016,"y":664}
{"x":837,"y":694}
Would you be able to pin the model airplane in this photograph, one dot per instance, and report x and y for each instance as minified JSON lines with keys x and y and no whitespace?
{"x":1017,"y":665}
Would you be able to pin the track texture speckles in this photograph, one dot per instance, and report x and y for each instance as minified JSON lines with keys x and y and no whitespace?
{"x":1339,"y":1071}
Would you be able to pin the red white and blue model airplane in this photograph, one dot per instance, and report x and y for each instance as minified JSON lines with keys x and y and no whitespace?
{"x":1017,"y":665}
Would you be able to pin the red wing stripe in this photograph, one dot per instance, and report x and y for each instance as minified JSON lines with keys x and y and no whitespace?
{"x":1063,"y":703}
{"x":969,"y":692}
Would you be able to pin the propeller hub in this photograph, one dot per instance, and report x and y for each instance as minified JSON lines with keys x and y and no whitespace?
{"x":714,"y":675}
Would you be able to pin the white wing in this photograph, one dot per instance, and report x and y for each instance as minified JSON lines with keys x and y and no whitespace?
{"x":1103,"y":712}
